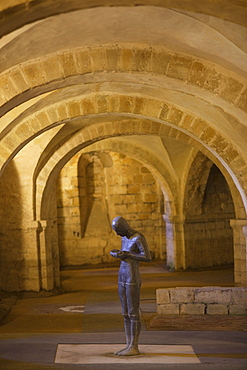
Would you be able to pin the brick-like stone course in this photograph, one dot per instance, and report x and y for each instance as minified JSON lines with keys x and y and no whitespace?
{"x":199,"y":301}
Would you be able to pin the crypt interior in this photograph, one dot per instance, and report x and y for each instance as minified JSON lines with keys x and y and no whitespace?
{"x":121,"y":108}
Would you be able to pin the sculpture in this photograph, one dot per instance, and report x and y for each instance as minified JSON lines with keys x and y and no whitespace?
{"x":134,"y":249}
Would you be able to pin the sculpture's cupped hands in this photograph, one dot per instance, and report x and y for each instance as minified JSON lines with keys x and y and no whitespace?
{"x":123,"y":254}
{"x":114,"y":252}
{"x":119,"y":254}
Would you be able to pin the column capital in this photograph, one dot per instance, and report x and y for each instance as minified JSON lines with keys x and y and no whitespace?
{"x":46,"y":223}
{"x":173,"y":219}
{"x":236,"y":223}
{"x":245,"y":230}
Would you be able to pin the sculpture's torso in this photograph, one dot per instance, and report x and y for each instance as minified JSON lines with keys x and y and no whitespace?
{"x":129,"y":268}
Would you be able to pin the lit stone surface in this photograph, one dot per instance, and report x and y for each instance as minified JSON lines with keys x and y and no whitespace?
{"x":161,"y":90}
{"x":103,"y":354}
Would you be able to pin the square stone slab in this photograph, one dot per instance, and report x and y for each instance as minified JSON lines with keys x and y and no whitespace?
{"x":103,"y":354}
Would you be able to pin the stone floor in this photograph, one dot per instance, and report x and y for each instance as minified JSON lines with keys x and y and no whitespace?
{"x":81,"y":328}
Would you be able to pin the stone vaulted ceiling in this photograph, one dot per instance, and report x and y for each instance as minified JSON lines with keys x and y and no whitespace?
{"x":167,"y":78}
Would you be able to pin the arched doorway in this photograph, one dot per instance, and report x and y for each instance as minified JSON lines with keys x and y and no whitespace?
{"x":208,"y":210}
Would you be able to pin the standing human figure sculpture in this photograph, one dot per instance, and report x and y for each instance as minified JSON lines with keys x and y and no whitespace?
{"x":134,"y":249}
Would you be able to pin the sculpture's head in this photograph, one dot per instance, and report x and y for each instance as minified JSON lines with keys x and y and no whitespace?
{"x":121,"y":226}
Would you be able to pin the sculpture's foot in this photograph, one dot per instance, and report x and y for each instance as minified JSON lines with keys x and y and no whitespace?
{"x":121,"y":350}
{"x":129,"y":351}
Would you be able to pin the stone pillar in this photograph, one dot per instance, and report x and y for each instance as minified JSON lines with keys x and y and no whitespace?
{"x":239,"y":239}
{"x":48,"y":254}
{"x":19,"y":259}
{"x":175,"y":250}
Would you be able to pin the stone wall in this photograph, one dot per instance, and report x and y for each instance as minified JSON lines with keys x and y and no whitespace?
{"x":200,"y":301}
{"x":207,"y":231}
{"x":92,"y":189}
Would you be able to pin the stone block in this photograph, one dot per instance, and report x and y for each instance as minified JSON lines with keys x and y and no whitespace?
{"x":133,"y":189}
{"x":52,"y":68}
{"x":74,"y":109}
{"x":230,"y":154}
{"x":164,"y":112}
{"x":141,"y":59}
{"x":231,"y":89}
{"x":33,"y":73}
{"x":186,"y":123}
{"x":145,"y":127}
{"x":112,"y":57}
{"x":7,"y":88}
{"x":175,"y":115}
{"x":152,"y":108}
{"x":238,"y":309}
{"x":102,"y":103}
{"x":242,"y":102}
{"x":198,"y":126}
{"x":162,"y":296}
{"x":182,"y":295}
{"x":179,"y":67}
{"x":18,"y":80}
{"x":113,"y":103}
{"x":208,"y":135}
{"x":126,"y":104}
{"x":62,"y":112}
{"x":168,"y":309}
{"x":52,"y":114}
{"x":23,"y":131}
{"x":151,"y":198}
{"x":68,"y":64}
{"x":138,"y":104}
{"x":213,"y":80}
{"x":143,"y":216}
{"x":220,"y":143}
{"x":126,"y":59}
{"x":159,"y":61}
{"x":11,"y":142}
{"x":216,"y":309}
{"x":83,"y":61}
{"x":155,"y":128}
{"x":192,"y":308}
{"x":87,"y":106}
{"x":197,"y":74}
{"x":213,"y":295}
{"x":239,"y":296}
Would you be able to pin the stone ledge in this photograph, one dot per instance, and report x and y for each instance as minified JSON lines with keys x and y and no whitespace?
{"x":197,"y":323}
{"x":201,"y":301}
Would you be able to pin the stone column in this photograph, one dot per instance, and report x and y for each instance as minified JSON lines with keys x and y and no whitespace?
{"x":175,"y":249}
{"x":239,"y":239}
{"x":48,"y":254}
{"x":19,"y":259}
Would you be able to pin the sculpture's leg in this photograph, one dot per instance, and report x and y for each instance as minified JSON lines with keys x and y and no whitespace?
{"x":127,"y":327}
{"x":135,"y":323}
{"x":135,"y":328}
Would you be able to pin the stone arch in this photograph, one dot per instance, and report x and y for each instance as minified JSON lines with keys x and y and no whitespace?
{"x":208,"y":210}
{"x":179,"y":121}
{"x":85,"y":138}
{"x":136,"y":106}
{"x":102,"y":131}
{"x":68,"y":67}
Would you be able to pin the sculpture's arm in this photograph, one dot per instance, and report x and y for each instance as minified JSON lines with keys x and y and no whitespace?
{"x":144,"y":253}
